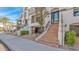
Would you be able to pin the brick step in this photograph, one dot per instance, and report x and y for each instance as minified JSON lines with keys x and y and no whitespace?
{"x":52,"y":44}
{"x":46,"y":38}
{"x":51,"y":37}
{"x":50,"y":41}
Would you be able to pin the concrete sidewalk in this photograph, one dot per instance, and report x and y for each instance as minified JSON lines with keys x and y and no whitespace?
{"x":15,"y":43}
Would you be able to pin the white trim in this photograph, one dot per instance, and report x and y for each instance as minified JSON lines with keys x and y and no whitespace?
{"x":60,"y":32}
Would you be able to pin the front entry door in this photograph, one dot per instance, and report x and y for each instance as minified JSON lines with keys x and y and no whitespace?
{"x":55,"y":17}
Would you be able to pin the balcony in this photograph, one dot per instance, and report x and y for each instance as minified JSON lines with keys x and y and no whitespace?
{"x":32,"y":11}
{"x":34,"y":24}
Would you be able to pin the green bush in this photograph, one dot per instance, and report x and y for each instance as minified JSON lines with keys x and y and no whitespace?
{"x":1,"y":29}
{"x":24,"y":32}
{"x":11,"y":31}
{"x":70,"y":37}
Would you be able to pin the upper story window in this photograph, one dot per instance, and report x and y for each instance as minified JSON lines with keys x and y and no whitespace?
{"x":76,"y":11}
{"x":55,"y":15}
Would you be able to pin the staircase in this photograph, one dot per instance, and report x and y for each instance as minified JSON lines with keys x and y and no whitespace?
{"x":51,"y":37}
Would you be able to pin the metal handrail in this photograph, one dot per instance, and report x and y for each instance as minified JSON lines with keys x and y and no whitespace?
{"x":45,"y":31}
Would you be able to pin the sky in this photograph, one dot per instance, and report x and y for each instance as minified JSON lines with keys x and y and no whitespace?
{"x":12,"y":13}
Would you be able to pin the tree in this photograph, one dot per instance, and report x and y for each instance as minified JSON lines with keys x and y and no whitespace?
{"x":5,"y":20}
{"x":41,"y":12}
{"x":10,"y":25}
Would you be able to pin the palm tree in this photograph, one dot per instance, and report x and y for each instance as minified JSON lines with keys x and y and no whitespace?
{"x":10,"y":24}
{"x":5,"y":20}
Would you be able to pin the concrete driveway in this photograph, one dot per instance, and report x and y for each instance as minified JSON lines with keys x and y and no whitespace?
{"x":15,"y":43}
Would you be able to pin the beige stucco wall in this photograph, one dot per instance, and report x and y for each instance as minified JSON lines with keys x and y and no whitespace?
{"x":68,"y":18}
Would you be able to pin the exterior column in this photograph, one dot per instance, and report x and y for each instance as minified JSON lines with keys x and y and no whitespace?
{"x":62,"y":21}
{"x":61,"y":31}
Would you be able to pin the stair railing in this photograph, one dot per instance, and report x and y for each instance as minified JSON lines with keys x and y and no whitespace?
{"x":45,"y":30}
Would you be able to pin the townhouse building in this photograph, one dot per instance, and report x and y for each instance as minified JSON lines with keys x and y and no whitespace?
{"x":56,"y":21}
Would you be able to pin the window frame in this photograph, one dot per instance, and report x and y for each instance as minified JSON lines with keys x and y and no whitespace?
{"x":75,"y":11}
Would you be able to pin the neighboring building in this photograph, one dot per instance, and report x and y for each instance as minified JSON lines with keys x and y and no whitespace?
{"x":57,"y":21}
{"x":4,"y":28}
{"x":13,"y":27}
{"x":22,"y":20}
{"x":1,"y":24}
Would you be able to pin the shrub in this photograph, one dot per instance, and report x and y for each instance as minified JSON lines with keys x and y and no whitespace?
{"x":24,"y":32}
{"x":70,"y":37}
{"x":66,"y":36}
{"x":1,"y":29}
{"x":11,"y":31}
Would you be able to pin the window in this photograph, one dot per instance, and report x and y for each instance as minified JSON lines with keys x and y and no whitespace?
{"x":55,"y":15}
{"x":76,"y":11}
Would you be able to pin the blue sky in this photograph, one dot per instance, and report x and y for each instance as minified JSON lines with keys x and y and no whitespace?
{"x":10,"y":12}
